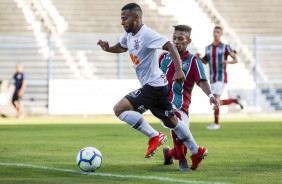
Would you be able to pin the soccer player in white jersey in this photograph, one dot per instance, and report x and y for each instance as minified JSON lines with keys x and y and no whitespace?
{"x":142,"y":44}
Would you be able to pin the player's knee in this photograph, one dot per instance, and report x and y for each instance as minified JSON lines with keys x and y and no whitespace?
{"x":121,"y":106}
{"x":171,"y":122}
{"x":116,"y":110}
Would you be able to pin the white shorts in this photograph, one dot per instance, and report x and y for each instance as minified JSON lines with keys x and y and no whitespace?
{"x":218,"y":88}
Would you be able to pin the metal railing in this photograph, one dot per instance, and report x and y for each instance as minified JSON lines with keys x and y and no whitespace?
{"x":118,"y":63}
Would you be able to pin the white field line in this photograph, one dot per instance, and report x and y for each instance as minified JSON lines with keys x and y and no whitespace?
{"x":108,"y":174}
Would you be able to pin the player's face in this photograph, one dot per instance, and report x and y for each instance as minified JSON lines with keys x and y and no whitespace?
{"x":217,"y":34}
{"x":181,"y":40}
{"x":128,"y":21}
{"x":19,"y":68}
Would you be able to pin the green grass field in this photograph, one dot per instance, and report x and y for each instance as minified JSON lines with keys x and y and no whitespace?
{"x":44,"y":149}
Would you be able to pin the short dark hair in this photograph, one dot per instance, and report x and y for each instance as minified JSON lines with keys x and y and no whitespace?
{"x":218,"y":27}
{"x":132,"y":6}
{"x":183,"y":27}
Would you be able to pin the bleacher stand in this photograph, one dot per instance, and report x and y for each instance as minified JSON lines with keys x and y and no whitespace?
{"x":57,"y":40}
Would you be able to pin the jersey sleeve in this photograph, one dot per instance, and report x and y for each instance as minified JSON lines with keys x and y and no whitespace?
{"x":198,"y":70}
{"x":229,"y":50}
{"x":24,"y":77}
{"x":123,"y":41}
{"x":154,"y":40}
{"x":206,"y":58}
{"x":161,"y":58}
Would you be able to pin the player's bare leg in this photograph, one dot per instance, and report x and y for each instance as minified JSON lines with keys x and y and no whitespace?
{"x":19,"y":109}
{"x":125,"y":112}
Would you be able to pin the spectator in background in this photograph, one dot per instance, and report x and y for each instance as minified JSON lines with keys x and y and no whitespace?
{"x":20,"y":84}
{"x":216,"y":56}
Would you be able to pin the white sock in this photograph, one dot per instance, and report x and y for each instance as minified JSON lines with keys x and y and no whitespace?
{"x":135,"y":120}
{"x":183,"y":132}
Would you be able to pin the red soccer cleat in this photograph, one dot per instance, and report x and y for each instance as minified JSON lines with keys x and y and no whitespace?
{"x":154,"y":144}
{"x":198,"y":157}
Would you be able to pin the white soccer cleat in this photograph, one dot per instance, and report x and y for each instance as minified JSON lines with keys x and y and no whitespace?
{"x":213,"y":126}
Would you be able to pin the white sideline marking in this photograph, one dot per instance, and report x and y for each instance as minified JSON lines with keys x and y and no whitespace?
{"x":108,"y":174}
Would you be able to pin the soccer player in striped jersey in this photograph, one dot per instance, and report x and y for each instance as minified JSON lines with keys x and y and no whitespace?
{"x":180,"y":95}
{"x":217,"y":57}
{"x":142,"y":44}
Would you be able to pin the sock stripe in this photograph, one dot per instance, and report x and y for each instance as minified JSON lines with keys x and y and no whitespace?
{"x":185,"y":139}
{"x":137,"y":125}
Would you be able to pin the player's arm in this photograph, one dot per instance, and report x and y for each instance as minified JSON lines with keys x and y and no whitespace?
{"x":204,"y":59}
{"x":117,"y":48}
{"x":179,"y":74}
{"x":204,"y":85}
{"x":234,"y":58}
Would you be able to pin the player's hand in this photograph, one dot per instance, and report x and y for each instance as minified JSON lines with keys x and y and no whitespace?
{"x":104,"y":45}
{"x":179,"y":76}
{"x":214,"y":102}
{"x":20,"y":93}
{"x":198,"y":55}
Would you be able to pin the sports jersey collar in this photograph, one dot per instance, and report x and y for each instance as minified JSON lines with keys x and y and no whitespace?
{"x":139,"y":31}
{"x":185,"y":56}
{"x":219,"y":43}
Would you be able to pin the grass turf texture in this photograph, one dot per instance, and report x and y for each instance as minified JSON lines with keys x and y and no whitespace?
{"x":240,"y":152}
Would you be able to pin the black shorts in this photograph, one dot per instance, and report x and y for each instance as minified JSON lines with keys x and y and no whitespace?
{"x":153,"y":98}
{"x":16,"y":97}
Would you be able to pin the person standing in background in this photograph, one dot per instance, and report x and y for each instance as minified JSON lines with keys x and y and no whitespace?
{"x":216,"y":56}
{"x":20,"y":85}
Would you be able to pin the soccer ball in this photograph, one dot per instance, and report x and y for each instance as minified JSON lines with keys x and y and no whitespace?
{"x":89,"y":159}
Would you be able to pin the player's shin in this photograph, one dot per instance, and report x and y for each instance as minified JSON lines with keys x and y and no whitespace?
{"x":184,"y":134}
{"x":136,"y":121}
{"x":178,"y":147}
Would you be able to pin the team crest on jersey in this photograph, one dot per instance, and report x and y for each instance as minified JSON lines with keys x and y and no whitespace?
{"x":136,"y":44}
{"x":168,"y":57}
{"x":185,"y":65}
{"x":220,"y":51}
{"x":135,"y":93}
{"x":19,"y":76}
